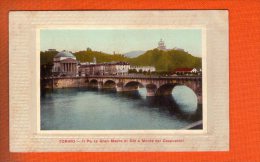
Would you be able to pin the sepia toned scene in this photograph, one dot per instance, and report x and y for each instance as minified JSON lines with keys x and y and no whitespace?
{"x":121,"y":79}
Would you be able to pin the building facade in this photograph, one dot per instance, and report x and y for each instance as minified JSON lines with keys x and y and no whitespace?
{"x":143,"y":68}
{"x":65,"y":64}
{"x":110,"y":68}
{"x":187,"y":71}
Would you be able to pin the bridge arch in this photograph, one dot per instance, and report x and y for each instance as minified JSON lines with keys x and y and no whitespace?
{"x":196,"y":87}
{"x":93,"y":83}
{"x":132,"y":85}
{"x":110,"y":84}
{"x":93,"y":80}
{"x":167,"y":89}
{"x":109,"y":79}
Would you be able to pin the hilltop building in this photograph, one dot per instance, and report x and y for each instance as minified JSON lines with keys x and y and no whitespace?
{"x":52,"y":49}
{"x":179,"y":49}
{"x":65,"y":64}
{"x":161,"y":45}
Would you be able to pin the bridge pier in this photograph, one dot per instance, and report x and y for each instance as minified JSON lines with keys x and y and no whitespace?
{"x":119,"y":89}
{"x":199,"y":96}
{"x":199,"y":100}
{"x":151,"y":90}
{"x":100,"y":85}
{"x":150,"y":93}
{"x":197,"y":88}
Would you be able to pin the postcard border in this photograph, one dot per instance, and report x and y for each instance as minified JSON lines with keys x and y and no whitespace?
{"x":30,"y":20}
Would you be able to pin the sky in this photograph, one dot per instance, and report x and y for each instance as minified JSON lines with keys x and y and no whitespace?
{"x":120,"y":40}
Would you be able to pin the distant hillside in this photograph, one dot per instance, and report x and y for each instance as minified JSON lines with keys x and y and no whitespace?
{"x":162,"y":60}
{"x":87,"y":56}
{"x":133,"y":54}
{"x":166,"y":60}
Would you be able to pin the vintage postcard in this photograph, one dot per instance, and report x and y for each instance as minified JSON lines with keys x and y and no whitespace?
{"x":119,"y":81}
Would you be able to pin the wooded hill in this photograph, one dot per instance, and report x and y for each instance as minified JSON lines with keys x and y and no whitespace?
{"x":166,"y":60}
{"x":162,"y":60}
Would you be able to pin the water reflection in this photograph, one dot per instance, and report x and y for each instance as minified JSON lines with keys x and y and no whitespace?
{"x":93,"y":109}
{"x":184,"y":109}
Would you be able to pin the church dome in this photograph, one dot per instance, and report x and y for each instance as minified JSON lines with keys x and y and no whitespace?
{"x":65,"y":54}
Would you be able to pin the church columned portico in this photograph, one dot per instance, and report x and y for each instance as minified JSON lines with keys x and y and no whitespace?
{"x":69,"y":67}
{"x":65,"y":64}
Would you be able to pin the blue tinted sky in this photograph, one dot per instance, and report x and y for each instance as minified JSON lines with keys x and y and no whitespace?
{"x":121,"y":41}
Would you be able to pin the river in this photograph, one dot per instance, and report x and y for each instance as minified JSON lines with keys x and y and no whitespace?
{"x":92,"y":109}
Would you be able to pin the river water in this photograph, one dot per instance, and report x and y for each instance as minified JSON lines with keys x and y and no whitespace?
{"x":92,"y":109}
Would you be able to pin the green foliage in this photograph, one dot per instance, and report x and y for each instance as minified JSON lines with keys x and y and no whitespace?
{"x":167,"y":60}
{"x":46,"y":57}
{"x":132,"y":71}
{"x":164,"y":61}
{"x":46,"y":70}
{"x":87,"y":56}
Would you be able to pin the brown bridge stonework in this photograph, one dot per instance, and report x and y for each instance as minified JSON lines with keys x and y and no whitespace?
{"x":155,"y":86}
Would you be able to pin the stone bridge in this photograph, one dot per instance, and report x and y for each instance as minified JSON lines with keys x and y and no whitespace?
{"x":155,"y":86}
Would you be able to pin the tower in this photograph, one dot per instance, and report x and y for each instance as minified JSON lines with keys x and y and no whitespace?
{"x":161,"y":45}
{"x":94,"y":60}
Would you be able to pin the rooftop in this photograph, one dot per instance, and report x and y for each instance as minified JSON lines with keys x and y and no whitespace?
{"x":105,"y":64}
{"x":65,"y":54}
{"x":183,"y":69}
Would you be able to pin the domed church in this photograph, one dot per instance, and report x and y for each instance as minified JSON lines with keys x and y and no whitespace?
{"x":161,"y":45}
{"x":65,"y":64}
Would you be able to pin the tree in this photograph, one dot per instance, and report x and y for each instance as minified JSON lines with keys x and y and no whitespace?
{"x":46,"y":70}
{"x":132,"y":71}
{"x":89,"y":49}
